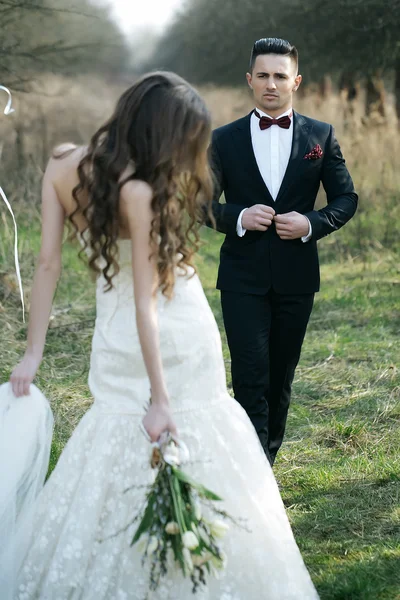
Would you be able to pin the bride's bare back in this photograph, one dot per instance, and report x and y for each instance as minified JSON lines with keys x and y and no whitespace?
{"x":63,"y":172}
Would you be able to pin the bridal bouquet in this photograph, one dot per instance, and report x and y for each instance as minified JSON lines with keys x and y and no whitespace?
{"x":174,"y":531}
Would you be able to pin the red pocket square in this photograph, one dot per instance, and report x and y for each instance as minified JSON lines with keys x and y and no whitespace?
{"x":315,"y":153}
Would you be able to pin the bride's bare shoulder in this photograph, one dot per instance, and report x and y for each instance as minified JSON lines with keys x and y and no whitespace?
{"x":65,"y":158}
{"x":68,"y":151}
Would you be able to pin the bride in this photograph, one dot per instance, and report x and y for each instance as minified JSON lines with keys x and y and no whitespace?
{"x":134,"y":197}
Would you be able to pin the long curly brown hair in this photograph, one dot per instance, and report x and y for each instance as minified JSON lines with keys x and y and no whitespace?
{"x":161,"y":129}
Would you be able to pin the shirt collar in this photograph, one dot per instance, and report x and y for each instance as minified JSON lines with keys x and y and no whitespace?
{"x":264,"y":114}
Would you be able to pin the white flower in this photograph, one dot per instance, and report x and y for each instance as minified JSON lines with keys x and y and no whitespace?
{"x":142,"y":542}
{"x":171,"y":454}
{"x":218,"y":528}
{"x":172,"y":528}
{"x":189,"y":540}
{"x":194,"y":529}
{"x":204,"y":536}
{"x":187,"y":557}
{"x":200,"y":559}
{"x":153,"y":545}
{"x":197,"y":510}
{"x":220,"y":563}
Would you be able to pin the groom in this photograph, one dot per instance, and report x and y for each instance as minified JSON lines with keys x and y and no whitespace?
{"x":269,"y":164}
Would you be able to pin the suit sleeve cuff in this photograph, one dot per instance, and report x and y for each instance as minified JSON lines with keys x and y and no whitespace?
{"x":239,"y":229}
{"x":305,"y":238}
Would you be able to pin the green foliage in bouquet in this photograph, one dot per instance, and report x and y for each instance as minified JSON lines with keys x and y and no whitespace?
{"x":173,"y":531}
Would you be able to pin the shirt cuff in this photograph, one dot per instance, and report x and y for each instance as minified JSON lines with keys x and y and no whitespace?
{"x":239,"y":229}
{"x":305,"y":238}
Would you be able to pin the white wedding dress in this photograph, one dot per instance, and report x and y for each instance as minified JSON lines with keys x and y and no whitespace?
{"x":65,"y":549}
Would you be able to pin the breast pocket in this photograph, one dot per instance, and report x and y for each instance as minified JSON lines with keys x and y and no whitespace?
{"x":311,"y":169}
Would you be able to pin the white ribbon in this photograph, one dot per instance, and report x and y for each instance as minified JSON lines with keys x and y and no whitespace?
{"x":21,"y":291}
{"x":7,"y":111}
{"x":174,"y":451}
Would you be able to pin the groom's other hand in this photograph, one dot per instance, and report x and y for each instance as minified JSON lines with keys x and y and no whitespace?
{"x":291,"y":225}
{"x":258,"y":217}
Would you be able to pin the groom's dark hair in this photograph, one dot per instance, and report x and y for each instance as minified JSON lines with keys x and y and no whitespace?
{"x":273,"y":46}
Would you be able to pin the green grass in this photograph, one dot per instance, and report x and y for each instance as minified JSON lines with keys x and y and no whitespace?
{"x":339,"y":469}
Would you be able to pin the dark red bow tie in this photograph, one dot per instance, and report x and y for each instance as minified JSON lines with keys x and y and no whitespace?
{"x":266,"y":122}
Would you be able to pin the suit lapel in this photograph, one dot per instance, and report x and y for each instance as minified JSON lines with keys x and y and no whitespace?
{"x":243,"y":143}
{"x":301,"y":135}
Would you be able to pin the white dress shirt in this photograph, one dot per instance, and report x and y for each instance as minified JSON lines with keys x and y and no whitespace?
{"x":272,"y":148}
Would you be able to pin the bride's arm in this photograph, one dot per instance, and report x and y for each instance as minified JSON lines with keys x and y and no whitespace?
{"x":47,"y":273}
{"x":136,"y":199}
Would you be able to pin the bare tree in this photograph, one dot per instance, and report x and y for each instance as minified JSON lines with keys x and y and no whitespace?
{"x":44,"y":35}
{"x":397,"y":89}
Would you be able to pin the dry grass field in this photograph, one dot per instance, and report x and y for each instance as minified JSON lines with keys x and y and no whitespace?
{"x":339,"y":469}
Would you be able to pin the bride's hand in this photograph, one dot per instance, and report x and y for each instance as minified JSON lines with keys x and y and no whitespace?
{"x":157,"y":420}
{"x":23,"y":374}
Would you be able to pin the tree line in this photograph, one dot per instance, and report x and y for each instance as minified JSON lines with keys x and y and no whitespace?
{"x":351,"y":40}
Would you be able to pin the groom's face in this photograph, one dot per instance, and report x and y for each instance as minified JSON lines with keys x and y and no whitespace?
{"x":273,"y":80}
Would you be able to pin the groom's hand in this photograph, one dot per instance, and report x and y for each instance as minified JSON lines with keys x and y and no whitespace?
{"x":258,"y":217}
{"x":291,"y":225}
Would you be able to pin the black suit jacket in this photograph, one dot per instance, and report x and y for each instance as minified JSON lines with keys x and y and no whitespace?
{"x":260,"y":260}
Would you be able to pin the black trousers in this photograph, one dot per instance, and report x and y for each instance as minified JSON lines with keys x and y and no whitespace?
{"x":265,"y":335}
